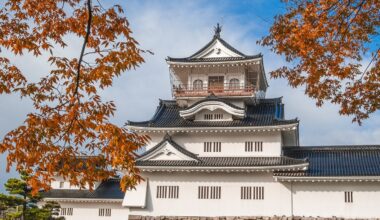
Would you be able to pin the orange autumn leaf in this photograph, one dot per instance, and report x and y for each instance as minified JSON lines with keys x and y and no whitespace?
{"x":324,"y":42}
{"x":69,"y":133}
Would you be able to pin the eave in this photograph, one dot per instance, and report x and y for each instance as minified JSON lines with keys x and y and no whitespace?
{"x":297,"y":167}
{"x":85,"y":200}
{"x":287,"y":127}
{"x":327,"y":179}
{"x":190,"y":63}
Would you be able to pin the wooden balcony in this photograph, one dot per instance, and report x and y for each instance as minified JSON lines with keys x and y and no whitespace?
{"x":222,"y":90}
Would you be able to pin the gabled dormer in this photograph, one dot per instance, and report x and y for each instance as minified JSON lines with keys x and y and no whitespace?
{"x":220,"y":69}
{"x":167,"y":149}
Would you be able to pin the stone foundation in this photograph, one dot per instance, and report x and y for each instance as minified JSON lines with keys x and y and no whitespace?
{"x":140,"y":217}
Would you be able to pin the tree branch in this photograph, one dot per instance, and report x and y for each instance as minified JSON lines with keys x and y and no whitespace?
{"x":88,"y":31}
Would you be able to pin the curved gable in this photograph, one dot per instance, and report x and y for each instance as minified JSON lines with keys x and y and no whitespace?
{"x":211,"y":106}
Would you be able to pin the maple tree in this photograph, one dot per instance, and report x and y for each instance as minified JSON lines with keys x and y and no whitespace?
{"x":69,"y":133}
{"x":325,"y":42}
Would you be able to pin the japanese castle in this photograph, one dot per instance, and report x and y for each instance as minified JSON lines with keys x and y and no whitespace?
{"x":222,"y":149}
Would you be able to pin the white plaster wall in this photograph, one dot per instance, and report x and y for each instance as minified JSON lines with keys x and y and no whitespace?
{"x":233,"y":144}
{"x":276,"y":201}
{"x":327,"y":199}
{"x":90,"y":211}
{"x":66,"y":184}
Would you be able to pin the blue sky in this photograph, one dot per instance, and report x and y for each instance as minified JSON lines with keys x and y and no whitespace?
{"x":179,"y":28}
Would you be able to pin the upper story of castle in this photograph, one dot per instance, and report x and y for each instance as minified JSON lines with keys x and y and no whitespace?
{"x":218,"y":69}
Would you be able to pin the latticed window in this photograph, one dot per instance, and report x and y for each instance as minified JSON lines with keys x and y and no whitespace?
{"x":167,"y":192}
{"x":212,"y":147}
{"x":348,"y":197}
{"x":198,"y":84}
{"x":256,"y":146}
{"x":234,"y":84}
{"x":209,"y":192}
{"x":104,"y":212}
{"x":66,"y":211}
{"x":252,"y":192}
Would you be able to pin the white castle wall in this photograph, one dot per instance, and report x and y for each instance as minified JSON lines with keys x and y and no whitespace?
{"x":233,"y":144}
{"x":327,"y":199}
{"x":90,"y":210}
{"x":276,"y":202}
{"x":66,"y":184}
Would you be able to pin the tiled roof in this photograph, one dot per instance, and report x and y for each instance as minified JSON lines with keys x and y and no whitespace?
{"x":225,"y":162}
{"x":174,"y":144}
{"x":215,"y":59}
{"x":337,"y":161}
{"x":109,"y":189}
{"x":267,"y":112}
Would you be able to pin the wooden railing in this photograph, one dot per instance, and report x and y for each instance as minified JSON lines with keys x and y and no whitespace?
{"x":227,"y":89}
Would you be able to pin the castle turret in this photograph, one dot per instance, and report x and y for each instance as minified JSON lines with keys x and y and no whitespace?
{"x":218,"y":69}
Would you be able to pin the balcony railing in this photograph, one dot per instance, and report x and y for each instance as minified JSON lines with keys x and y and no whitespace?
{"x":227,"y":89}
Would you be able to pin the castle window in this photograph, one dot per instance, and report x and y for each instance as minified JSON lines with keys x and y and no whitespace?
{"x":252,"y":192}
{"x":208,"y":116}
{"x":248,"y":146}
{"x":209,"y":192}
{"x":234,"y":84}
{"x":348,"y":197}
{"x":198,"y":84}
{"x":256,"y":147}
{"x":212,"y":146}
{"x":104,"y":212}
{"x":61,"y":184}
{"x":167,"y":192}
{"x":217,"y":116}
{"x":66,"y":211}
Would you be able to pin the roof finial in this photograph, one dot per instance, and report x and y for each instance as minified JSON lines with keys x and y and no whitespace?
{"x":217,"y":30}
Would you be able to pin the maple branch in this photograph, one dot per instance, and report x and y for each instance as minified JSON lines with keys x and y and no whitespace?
{"x":369,"y":64}
{"x":88,"y":31}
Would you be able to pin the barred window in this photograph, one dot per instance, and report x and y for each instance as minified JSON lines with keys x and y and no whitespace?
{"x":208,"y":116}
{"x":104,"y":212}
{"x":209,"y":192}
{"x":212,"y":147}
{"x":252,"y":192}
{"x":348,"y":197}
{"x":248,"y":146}
{"x":218,"y":116}
{"x":217,"y":147}
{"x":66,"y":211}
{"x":167,"y":192}
{"x":256,"y":146}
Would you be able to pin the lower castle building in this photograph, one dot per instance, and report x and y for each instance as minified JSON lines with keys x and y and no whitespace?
{"x":220,"y":149}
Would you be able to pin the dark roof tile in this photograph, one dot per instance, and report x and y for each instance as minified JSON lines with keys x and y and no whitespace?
{"x":266,"y":112}
{"x":109,"y":189}
{"x":225,"y":162}
{"x":327,"y":161}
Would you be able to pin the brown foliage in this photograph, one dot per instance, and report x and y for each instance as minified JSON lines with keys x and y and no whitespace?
{"x":70,"y":119}
{"x":325,"y":42}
